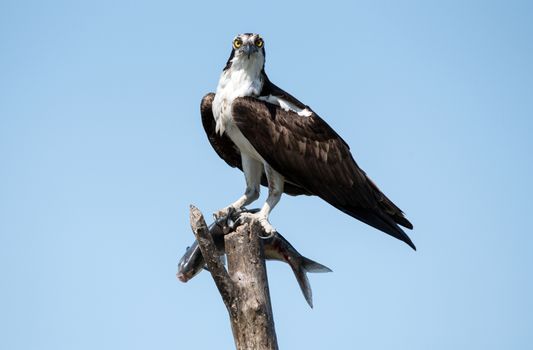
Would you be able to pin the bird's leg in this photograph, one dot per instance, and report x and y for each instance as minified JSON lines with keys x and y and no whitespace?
{"x":252,"y":169}
{"x":275,"y":190}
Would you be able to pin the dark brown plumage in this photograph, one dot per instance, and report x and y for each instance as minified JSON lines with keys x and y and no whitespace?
{"x":227,"y":150}
{"x":311,"y":156}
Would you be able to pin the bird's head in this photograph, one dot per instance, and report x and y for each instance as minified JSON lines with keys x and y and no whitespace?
{"x":247,"y":48}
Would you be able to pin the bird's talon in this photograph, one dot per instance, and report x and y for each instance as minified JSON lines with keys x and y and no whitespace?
{"x":223,"y":214}
{"x":269,"y":236}
{"x":248,"y":217}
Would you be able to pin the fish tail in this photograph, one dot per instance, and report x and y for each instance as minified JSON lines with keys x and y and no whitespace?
{"x":300,"y":269}
{"x":312,"y":266}
{"x":303,"y":281}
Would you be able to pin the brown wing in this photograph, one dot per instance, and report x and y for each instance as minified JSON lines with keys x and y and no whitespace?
{"x":227,"y":150}
{"x":269,"y":88}
{"x":222,"y":144}
{"x":309,"y":153}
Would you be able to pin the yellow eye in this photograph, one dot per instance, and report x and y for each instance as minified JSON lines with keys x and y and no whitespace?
{"x":259,"y":42}
{"x":237,"y":43}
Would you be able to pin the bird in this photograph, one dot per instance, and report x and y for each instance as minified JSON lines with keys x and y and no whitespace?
{"x":279,"y":142}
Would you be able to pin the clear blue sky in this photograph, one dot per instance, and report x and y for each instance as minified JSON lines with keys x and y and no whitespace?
{"x":102,"y":151}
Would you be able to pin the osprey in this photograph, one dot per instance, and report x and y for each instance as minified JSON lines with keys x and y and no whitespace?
{"x":279,"y":142}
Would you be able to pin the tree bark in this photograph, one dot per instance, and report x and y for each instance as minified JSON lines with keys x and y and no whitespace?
{"x":244,"y":289}
{"x":251,"y":321}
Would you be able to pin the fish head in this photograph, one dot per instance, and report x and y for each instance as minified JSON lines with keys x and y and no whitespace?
{"x":190,"y":264}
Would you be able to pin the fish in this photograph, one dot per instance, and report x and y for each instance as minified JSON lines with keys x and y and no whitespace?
{"x":276,"y":247}
{"x":192,"y":262}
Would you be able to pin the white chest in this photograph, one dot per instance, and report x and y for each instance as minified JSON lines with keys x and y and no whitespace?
{"x":239,"y":81}
{"x":233,"y":83}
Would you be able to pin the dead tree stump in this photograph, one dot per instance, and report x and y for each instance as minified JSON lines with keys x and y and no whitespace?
{"x":244,"y":286}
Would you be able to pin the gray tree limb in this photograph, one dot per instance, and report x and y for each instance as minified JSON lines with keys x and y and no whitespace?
{"x":244,"y":287}
{"x":211,"y":256}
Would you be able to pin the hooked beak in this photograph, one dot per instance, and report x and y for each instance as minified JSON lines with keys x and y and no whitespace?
{"x":249,"y":49}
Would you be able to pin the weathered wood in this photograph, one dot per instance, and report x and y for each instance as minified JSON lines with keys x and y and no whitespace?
{"x":252,"y":320}
{"x":211,"y":256}
{"x":245,"y":288}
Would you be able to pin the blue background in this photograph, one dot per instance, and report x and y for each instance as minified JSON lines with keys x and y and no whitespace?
{"x":102,"y":151}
